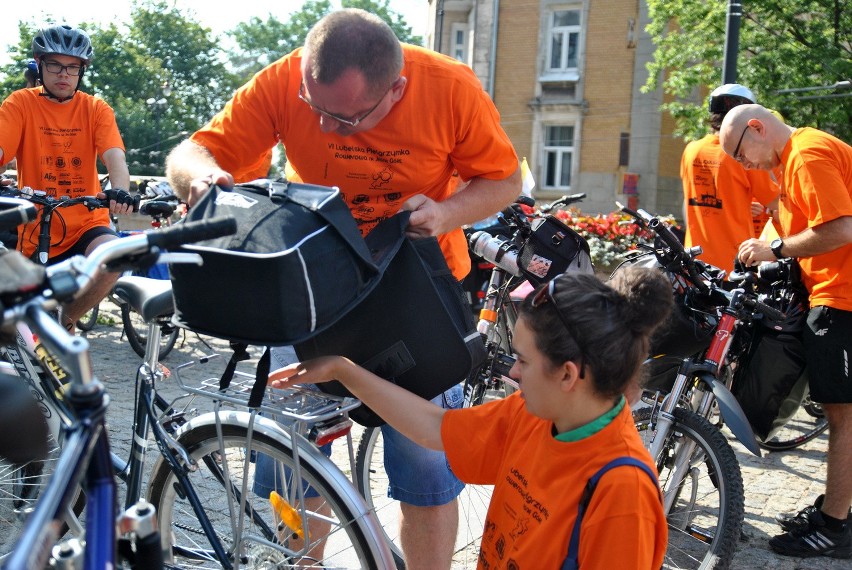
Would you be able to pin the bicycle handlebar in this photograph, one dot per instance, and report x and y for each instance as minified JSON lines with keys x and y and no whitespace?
{"x":566,"y":200}
{"x":758,"y":306}
{"x":91,"y":202}
{"x":684,"y":257}
{"x":16,"y":211}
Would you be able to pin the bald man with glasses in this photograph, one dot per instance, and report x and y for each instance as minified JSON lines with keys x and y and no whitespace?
{"x":815,"y":215}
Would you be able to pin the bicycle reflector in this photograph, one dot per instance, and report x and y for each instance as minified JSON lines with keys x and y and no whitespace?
{"x":329,"y":430}
{"x":289,"y":516}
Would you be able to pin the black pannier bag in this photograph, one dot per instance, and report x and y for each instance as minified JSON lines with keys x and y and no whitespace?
{"x":296,"y":264}
{"x":551,"y":249}
{"x":771,"y":381}
{"x":414,"y":329}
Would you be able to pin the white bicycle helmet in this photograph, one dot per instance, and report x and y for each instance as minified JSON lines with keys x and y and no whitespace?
{"x":728,"y":96}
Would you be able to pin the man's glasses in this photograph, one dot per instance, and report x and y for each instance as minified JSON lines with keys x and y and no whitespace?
{"x":546,"y":295}
{"x":338,"y":118}
{"x":737,"y":156}
{"x":54,"y":67}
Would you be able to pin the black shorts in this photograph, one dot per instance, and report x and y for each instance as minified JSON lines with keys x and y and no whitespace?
{"x":79,"y":248}
{"x":828,"y":346}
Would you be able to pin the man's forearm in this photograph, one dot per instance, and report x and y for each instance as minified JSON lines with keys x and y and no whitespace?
{"x":116,"y":165}
{"x":482,"y":198}
{"x":820,"y":239}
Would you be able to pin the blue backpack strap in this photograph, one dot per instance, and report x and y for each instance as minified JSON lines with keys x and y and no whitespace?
{"x":570,"y":562}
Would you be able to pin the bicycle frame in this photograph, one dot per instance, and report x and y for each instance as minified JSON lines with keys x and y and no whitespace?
{"x":84,"y":455}
{"x":706,"y":370}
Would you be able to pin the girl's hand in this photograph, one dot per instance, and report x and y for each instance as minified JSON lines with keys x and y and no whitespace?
{"x":315,"y":371}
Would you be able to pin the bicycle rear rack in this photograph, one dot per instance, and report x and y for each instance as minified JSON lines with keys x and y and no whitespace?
{"x":296,"y":404}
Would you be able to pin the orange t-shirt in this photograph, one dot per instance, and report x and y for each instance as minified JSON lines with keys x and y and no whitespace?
{"x":538,"y":482}
{"x":817,"y":188}
{"x":57,"y":145}
{"x":444,"y":122}
{"x":718,"y":193}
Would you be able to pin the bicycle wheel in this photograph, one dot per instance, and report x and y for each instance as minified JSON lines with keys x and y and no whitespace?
{"x":21,"y":484}
{"x":88,"y":321}
{"x":337,"y":532}
{"x":373,"y":484}
{"x":136,"y":330}
{"x":808,"y":423}
{"x":706,"y":516}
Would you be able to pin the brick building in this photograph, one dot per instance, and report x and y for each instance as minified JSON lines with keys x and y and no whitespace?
{"x":566,"y":78}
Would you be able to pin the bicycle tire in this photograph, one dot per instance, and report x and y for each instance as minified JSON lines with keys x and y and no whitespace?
{"x":704,"y":528}
{"x":347,"y":546}
{"x":372,"y":483}
{"x":808,"y":423}
{"x":136,"y":330}
{"x":88,"y":321}
{"x":21,"y":484}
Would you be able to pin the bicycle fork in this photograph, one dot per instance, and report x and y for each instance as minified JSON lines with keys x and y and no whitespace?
{"x":682,"y":451}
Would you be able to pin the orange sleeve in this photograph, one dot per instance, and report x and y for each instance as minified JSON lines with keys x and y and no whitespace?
{"x":472,"y":437}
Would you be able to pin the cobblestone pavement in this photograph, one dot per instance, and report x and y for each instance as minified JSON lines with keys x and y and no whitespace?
{"x":776,"y":482}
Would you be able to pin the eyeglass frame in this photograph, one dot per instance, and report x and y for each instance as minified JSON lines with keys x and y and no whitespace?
{"x":348,"y":122}
{"x":66,"y":68}
{"x":545,"y":294}
{"x":736,"y":156}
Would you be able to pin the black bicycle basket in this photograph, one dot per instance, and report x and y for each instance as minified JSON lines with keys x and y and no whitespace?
{"x":551,"y":249}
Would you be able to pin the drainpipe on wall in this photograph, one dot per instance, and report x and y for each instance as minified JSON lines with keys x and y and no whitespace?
{"x":439,"y":28}
{"x":492,"y":66}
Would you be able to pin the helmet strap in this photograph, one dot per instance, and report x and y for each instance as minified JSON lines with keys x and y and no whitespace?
{"x":46,"y":92}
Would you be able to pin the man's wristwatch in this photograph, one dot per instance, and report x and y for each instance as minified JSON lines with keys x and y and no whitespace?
{"x":776,"y":245}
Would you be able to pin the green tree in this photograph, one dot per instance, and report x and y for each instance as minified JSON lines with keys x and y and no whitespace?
{"x":161,"y":72}
{"x":783,"y":45}
{"x":12,"y":74}
{"x":178,"y":81}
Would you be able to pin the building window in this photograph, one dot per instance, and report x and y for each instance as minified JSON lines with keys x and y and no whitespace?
{"x":564,"y":41}
{"x":558,"y":156}
{"x":458,"y":42}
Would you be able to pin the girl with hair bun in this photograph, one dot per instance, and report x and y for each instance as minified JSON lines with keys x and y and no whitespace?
{"x":579,"y":344}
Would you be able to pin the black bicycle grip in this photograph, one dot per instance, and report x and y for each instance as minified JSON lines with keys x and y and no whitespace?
{"x":20,"y":214}
{"x":190,"y":232}
{"x":770,"y":312}
{"x":665,"y":234}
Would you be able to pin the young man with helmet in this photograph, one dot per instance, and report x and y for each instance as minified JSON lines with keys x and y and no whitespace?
{"x":57,"y":133}
{"x":717,"y":192}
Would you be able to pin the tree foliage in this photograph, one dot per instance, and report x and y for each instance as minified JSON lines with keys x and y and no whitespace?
{"x":784,"y":45}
